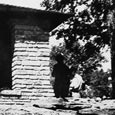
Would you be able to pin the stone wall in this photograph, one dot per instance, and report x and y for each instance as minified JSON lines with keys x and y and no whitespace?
{"x":30,"y":66}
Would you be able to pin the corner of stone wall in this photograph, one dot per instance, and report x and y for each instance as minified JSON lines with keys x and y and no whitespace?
{"x":30,"y":64}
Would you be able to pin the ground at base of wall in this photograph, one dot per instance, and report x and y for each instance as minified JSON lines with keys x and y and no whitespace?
{"x":54,"y":106}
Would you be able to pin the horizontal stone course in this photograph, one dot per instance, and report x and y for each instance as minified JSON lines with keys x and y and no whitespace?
{"x":31,"y":68}
{"x":31,"y":44}
{"x":32,"y":77}
{"x":35,"y":92}
{"x":34,"y":87}
{"x":36,"y":97}
{"x":31,"y":82}
{"x":31,"y":63}
{"x":21,"y":100}
{"x":31,"y":58}
{"x":31,"y":49}
{"x":31,"y":54}
{"x":24,"y":71}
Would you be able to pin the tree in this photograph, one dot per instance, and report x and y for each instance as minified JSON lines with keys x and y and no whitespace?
{"x":112,"y":31}
{"x":90,"y":24}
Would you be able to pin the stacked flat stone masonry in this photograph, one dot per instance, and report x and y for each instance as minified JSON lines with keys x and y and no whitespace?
{"x":30,"y":66}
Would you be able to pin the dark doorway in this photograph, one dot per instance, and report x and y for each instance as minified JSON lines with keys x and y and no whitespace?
{"x":5,"y":55}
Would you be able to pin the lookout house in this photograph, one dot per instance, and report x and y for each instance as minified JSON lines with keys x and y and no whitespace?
{"x":24,"y":49}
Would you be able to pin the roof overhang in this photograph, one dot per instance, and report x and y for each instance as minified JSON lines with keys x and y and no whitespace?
{"x":55,"y":18}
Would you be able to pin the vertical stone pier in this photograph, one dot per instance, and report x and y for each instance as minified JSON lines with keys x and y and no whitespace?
{"x":30,"y":66}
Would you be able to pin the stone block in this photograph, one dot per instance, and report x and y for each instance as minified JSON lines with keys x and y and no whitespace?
{"x":31,"y":44}
{"x":46,"y":94}
{"x":42,"y":87}
{"x":33,"y":58}
{"x":26,"y":67}
{"x":21,"y":45}
{"x":19,"y":58}
{"x":45,"y":73}
{"x":20,"y":77}
{"x":15,"y":63}
{"x":26,"y":49}
{"x":28,"y":63}
{"x":22,"y":71}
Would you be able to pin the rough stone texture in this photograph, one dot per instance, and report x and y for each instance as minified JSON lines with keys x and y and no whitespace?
{"x":30,"y":66}
{"x":81,"y":106}
{"x":54,"y":106}
{"x":30,"y":110}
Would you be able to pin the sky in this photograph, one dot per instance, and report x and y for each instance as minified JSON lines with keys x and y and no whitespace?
{"x":24,"y":3}
{"x":36,"y":4}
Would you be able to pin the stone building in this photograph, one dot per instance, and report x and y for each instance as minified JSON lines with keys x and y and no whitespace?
{"x":24,"y":50}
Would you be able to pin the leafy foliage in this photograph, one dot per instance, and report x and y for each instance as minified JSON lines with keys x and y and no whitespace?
{"x":77,"y":59}
{"x":87,"y":32}
{"x":99,"y":81}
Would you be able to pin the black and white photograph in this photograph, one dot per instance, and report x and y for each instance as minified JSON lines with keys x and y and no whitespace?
{"x":57,"y":57}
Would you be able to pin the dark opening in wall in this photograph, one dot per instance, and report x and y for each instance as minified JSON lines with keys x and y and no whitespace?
{"x":5,"y":54}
